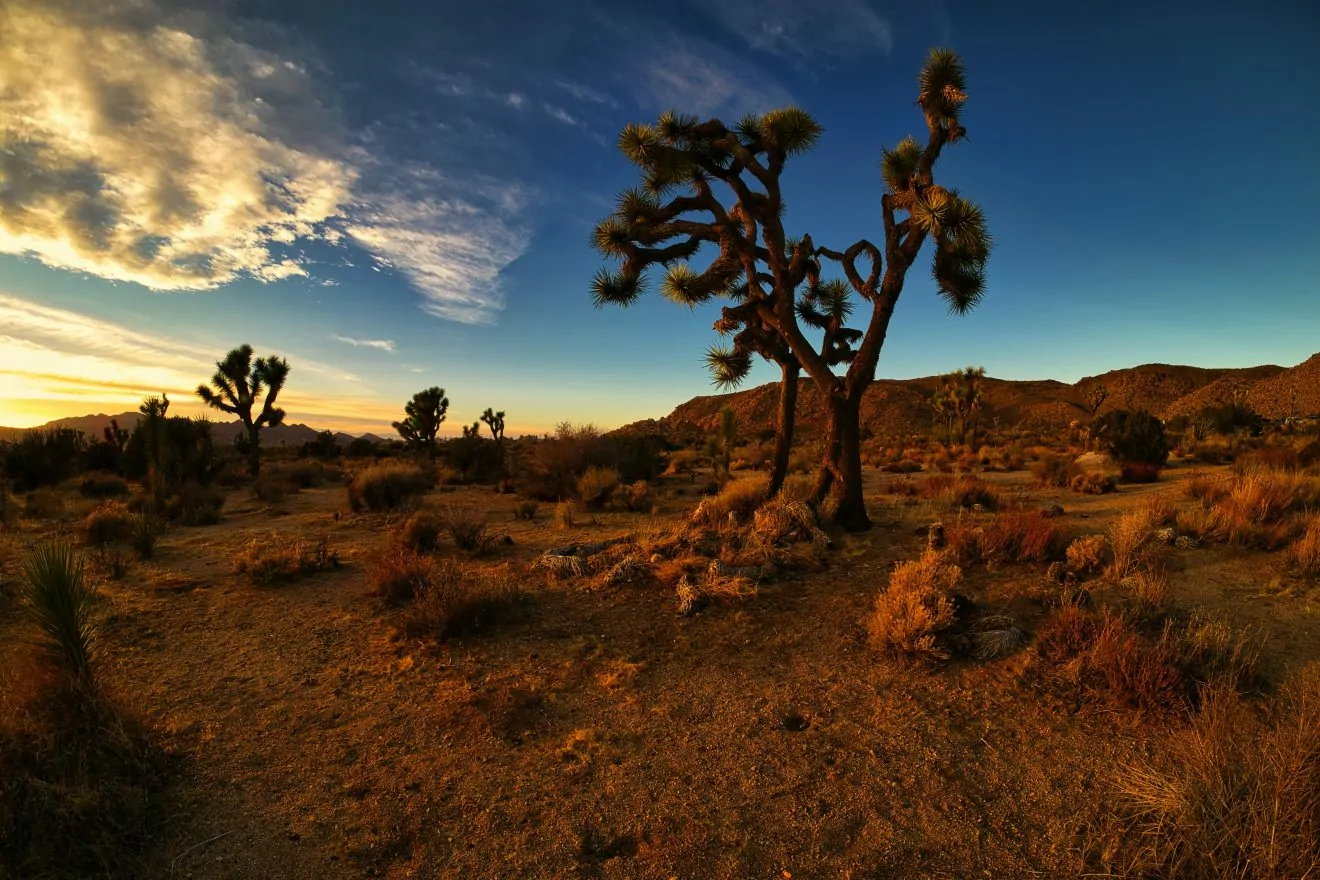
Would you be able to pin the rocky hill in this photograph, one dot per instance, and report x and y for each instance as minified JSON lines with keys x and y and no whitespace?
{"x":901,"y":407}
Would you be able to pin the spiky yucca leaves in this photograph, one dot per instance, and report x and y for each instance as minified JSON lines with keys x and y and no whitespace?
{"x":422,"y":417}
{"x":943,"y":91}
{"x":728,"y":366}
{"x":240,"y":384}
{"x":61,"y":604}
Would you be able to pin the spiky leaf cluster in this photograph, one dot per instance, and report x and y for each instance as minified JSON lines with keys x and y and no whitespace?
{"x":240,"y":383}
{"x":422,"y":417}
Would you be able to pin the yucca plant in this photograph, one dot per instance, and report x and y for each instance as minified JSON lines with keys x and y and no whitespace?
{"x":61,"y":604}
{"x":706,"y":188}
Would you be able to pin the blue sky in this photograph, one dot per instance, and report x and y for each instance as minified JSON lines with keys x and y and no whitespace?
{"x":395,"y":195}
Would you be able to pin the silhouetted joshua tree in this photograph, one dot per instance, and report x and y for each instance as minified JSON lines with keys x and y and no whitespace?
{"x":422,"y":417}
{"x":666,"y":221}
{"x":494,"y":421}
{"x":153,"y":411}
{"x":1092,"y":400}
{"x":472,"y":431}
{"x":959,"y":401}
{"x":241,"y":384}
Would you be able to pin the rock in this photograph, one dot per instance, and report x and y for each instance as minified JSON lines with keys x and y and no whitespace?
{"x":1096,"y":461}
{"x":1050,"y":511}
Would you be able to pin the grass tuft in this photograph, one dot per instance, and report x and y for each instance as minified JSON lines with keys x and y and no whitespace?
{"x":907,"y":618}
{"x":61,"y":606}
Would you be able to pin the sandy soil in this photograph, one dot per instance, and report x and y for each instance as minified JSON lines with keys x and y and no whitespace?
{"x":599,"y":735}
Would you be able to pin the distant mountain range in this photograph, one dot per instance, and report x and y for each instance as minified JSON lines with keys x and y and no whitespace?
{"x":901,"y":407}
{"x":222,"y":432}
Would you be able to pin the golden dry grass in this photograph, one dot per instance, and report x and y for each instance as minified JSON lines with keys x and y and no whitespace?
{"x":907,"y":618}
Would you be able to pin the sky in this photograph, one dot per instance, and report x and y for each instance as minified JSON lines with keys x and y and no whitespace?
{"x":395,"y":195}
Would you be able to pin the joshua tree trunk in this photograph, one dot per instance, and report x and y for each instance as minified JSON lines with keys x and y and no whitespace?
{"x":843,"y":461}
{"x":254,"y":451}
{"x":788,"y":391}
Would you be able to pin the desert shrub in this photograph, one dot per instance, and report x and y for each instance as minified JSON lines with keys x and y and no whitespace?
{"x":41,"y":457}
{"x":283,"y":558}
{"x":398,"y":574}
{"x":1304,"y":554}
{"x":421,"y":532}
{"x":268,"y":489}
{"x":306,"y":474}
{"x":1137,"y":673}
{"x":112,"y":560}
{"x":1012,"y":537}
{"x":196,"y":505}
{"x":683,"y":461}
{"x":1132,"y":437}
{"x":961,"y":492}
{"x":61,"y":606}
{"x":736,"y":502}
{"x":387,"y":487}
{"x":904,"y":466}
{"x":1230,"y":418}
{"x":526,"y":510}
{"x":550,"y":468}
{"x":1149,"y":586}
{"x":475,"y":459}
{"x":1093,"y":483}
{"x":361,"y":447}
{"x":1232,"y":795}
{"x":1086,"y":554}
{"x":1066,"y":634}
{"x":43,"y":504}
{"x":108,"y":523}
{"x":564,"y":514}
{"x":1207,"y":490}
{"x":907,"y":618}
{"x":144,"y":531}
{"x":1139,"y":472}
{"x":467,"y":528}
{"x":1055,"y":470}
{"x":1257,"y":509}
{"x":633,"y":497}
{"x":452,"y":601}
{"x":102,"y":485}
{"x":596,"y":485}
{"x":1212,"y":651}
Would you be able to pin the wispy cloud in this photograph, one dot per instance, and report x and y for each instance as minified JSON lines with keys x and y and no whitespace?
{"x":585,"y":93}
{"x":807,"y":33}
{"x":143,"y":147}
{"x":562,"y":115}
{"x":695,"y":75}
{"x":382,"y":344}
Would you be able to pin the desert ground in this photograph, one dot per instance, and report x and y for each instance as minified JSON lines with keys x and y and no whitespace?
{"x":592,"y":731}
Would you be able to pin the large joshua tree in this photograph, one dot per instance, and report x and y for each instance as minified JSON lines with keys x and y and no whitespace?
{"x":422,"y":417}
{"x":242,"y":385}
{"x":709,"y":188}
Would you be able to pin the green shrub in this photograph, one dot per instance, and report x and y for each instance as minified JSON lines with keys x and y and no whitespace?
{"x":388,"y":486}
{"x":1132,"y":437}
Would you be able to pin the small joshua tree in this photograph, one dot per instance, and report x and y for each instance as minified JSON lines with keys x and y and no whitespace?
{"x":422,"y":417}
{"x":720,"y":444}
{"x":472,"y":431}
{"x":1092,"y":399}
{"x":241,"y":384}
{"x":710,"y":188}
{"x":961,"y":396}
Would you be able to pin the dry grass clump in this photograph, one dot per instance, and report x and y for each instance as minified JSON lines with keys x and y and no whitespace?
{"x":596,"y":485}
{"x":397,"y":573}
{"x":909,"y":616}
{"x":1093,"y":483}
{"x":43,"y":504}
{"x":108,"y":523}
{"x":1149,"y":586}
{"x":632,"y":497}
{"x":1207,"y":490}
{"x":1258,"y":508}
{"x":1012,"y":537}
{"x":1131,"y":541}
{"x":1304,"y":554}
{"x":1108,"y":653}
{"x":103,"y":485}
{"x":1086,"y":554}
{"x":736,"y":503}
{"x":467,"y":528}
{"x":1213,"y":651}
{"x":963,"y":492}
{"x":196,"y":505}
{"x":714,"y":584}
{"x":269,"y":490}
{"x":684,"y":461}
{"x":144,"y":533}
{"x":421,"y":532}
{"x":450,"y":600}
{"x":526,"y":510}
{"x":1233,"y":797}
{"x":387,"y":487}
{"x":564,"y":515}
{"x":283,"y":558}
